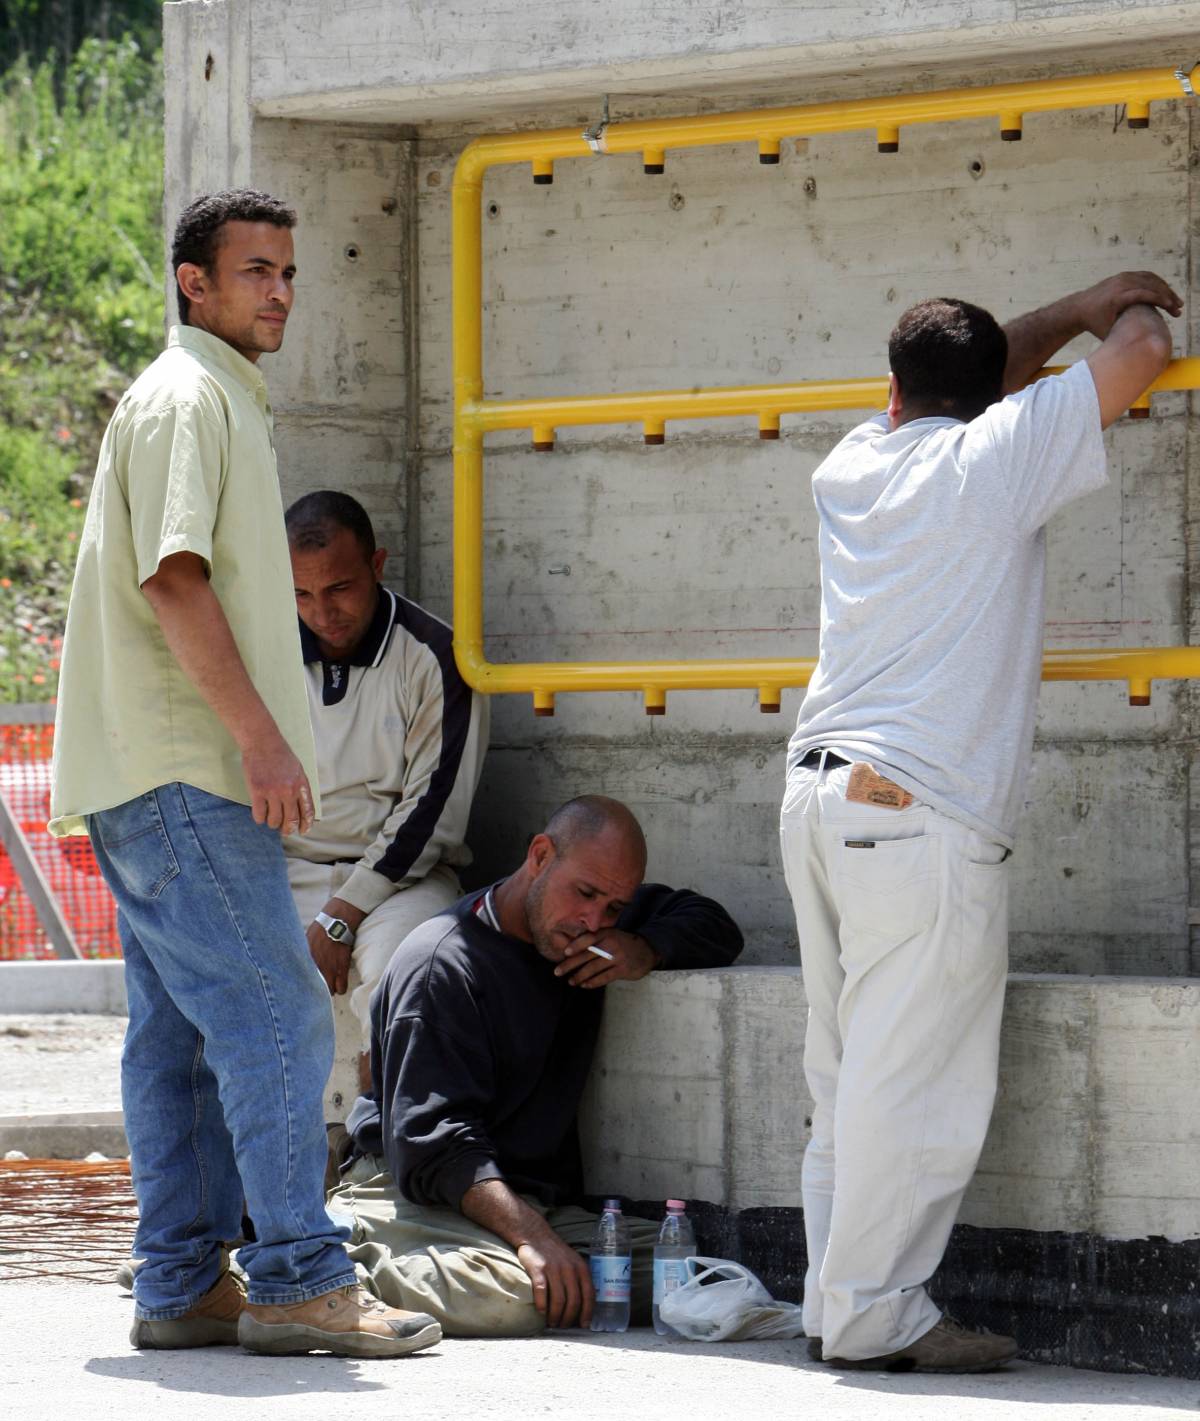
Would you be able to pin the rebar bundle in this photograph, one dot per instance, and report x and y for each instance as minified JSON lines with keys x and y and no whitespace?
{"x":65,"y":1219}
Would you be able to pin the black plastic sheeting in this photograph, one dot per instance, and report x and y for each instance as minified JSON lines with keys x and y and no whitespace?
{"x":1113,"y":1305}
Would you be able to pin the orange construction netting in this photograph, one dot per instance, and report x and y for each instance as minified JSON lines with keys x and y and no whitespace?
{"x":68,"y":864}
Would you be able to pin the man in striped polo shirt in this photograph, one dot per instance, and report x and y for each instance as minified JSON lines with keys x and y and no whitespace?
{"x":400,"y":740}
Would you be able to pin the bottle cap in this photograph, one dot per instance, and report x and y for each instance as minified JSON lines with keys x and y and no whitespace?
{"x":613,"y":1204}
{"x":676,"y":1204}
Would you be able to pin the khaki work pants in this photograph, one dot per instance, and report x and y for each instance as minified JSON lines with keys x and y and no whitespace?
{"x":437,"y":1261}
{"x":903,"y":920}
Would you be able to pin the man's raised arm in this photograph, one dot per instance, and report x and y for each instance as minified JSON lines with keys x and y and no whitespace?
{"x":1133,"y":355}
{"x":1134,"y":350}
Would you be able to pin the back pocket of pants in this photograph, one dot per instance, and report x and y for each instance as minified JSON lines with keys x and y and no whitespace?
{"x":133,"y":840}
{"x":889,"y":890}
{"x":983,"y":950}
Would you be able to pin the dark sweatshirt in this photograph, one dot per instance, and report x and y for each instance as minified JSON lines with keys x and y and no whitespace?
{"x":479,"y":1053}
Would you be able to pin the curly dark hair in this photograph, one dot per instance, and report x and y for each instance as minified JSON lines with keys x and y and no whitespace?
{"x":198,"y":231}
{"x":948,"y":357}
{"x":313,"y":520}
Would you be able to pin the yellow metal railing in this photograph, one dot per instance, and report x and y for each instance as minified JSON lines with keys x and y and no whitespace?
{"x":474,"y":417}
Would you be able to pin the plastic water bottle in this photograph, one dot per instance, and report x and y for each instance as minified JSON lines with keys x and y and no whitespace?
{"x":612,"y":1270}
{"x":676,"y":1242}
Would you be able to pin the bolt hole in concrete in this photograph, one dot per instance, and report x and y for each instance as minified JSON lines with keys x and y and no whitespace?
{"x":676,"y":201}
{"x":493,"y":209}
{"x":352,"y":253}
{"x":975,"y":167}
{"x":208,"y":67}
{"x":810,"y":186}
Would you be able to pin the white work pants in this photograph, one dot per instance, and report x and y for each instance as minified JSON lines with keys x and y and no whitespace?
{"x":380,"y":934}
{"x":903,"y":923}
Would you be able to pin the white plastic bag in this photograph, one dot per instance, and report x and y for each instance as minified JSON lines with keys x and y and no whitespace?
{"x":724,"y":1302}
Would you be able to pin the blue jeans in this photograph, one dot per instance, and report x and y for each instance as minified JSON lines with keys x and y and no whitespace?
{"x":229,"y":1044}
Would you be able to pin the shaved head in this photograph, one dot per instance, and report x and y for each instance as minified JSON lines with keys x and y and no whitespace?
{"x":594,"y":816}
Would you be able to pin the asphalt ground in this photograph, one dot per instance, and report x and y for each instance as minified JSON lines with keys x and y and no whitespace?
{"x":66,"y":1355}
{"x":59,"y":1062}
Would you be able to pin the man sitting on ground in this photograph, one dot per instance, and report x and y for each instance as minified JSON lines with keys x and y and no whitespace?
{"x":464,"y":1197}
{"x":400,"y":741}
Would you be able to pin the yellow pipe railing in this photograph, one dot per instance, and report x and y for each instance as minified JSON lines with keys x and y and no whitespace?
{"x":1135,"y":88}
{"x":474,"y":416}
{"x":653,"y":408}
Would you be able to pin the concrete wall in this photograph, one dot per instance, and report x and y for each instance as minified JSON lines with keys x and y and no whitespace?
{"x":721,"y":271}
{"x":698,"y":1092}
{"x":345,"y":384}
{"x":725,"y":271}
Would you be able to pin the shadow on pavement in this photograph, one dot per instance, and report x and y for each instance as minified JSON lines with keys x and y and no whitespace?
{"x":785,"y":1352}
{"x":228,"y":1372}
{"x":1018,"y":1382}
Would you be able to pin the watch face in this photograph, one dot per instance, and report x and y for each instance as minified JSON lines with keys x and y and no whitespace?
{"x":338,"y":930}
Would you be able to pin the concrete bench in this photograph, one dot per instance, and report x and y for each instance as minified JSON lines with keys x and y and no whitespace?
{"x":1081,"y":1229}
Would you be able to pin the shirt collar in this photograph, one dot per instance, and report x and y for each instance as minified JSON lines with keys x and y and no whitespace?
{"x":212,"y":350}
{"x":485,"y":909}
{"x":375,"y":638}
{"x":922,"y":423}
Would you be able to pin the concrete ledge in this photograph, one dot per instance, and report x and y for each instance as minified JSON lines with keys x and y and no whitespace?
{"x":316,"y":60}
{"x":98,"y":987}
{"x":67,"y":1136}
{"x":698,"y":1090}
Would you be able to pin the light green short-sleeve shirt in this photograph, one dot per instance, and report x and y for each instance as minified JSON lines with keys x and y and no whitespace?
{"x":187,"y":465}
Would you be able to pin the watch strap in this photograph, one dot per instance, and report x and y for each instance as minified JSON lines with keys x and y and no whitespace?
{"x":329,"y":923}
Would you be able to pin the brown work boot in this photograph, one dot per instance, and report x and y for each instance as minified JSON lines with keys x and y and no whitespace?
{"x":948,"y":1346}
{"x":348,"y":1322}
{"x":213,"y":1322}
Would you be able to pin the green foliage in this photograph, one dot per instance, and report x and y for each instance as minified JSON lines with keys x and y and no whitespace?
{"x":80,"y":185}
{"x":38,"y":536}
{"x":39,"y":29}
{"x":81,"y":307}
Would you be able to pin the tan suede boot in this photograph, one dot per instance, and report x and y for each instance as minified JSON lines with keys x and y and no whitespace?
{"x":213,"y":1322}
{"x":948,"y":1346}
{"x":348,"y":1322}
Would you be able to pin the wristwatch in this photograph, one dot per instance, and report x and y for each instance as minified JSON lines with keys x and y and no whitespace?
{"x":338,"y":929}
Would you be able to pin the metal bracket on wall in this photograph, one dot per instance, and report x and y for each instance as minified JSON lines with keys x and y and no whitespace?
{"x":33,"y":881}
{"x":594,"y":135}
{"x":475,"y":416}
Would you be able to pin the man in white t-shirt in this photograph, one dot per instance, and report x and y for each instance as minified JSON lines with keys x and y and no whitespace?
{"x":905,"y":775}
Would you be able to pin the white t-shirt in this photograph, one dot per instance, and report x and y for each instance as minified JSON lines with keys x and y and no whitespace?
{"x":932,"y":585}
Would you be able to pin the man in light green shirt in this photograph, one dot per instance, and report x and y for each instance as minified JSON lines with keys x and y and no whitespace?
{"x":187,"y":467}
{"x":183,"y":748}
